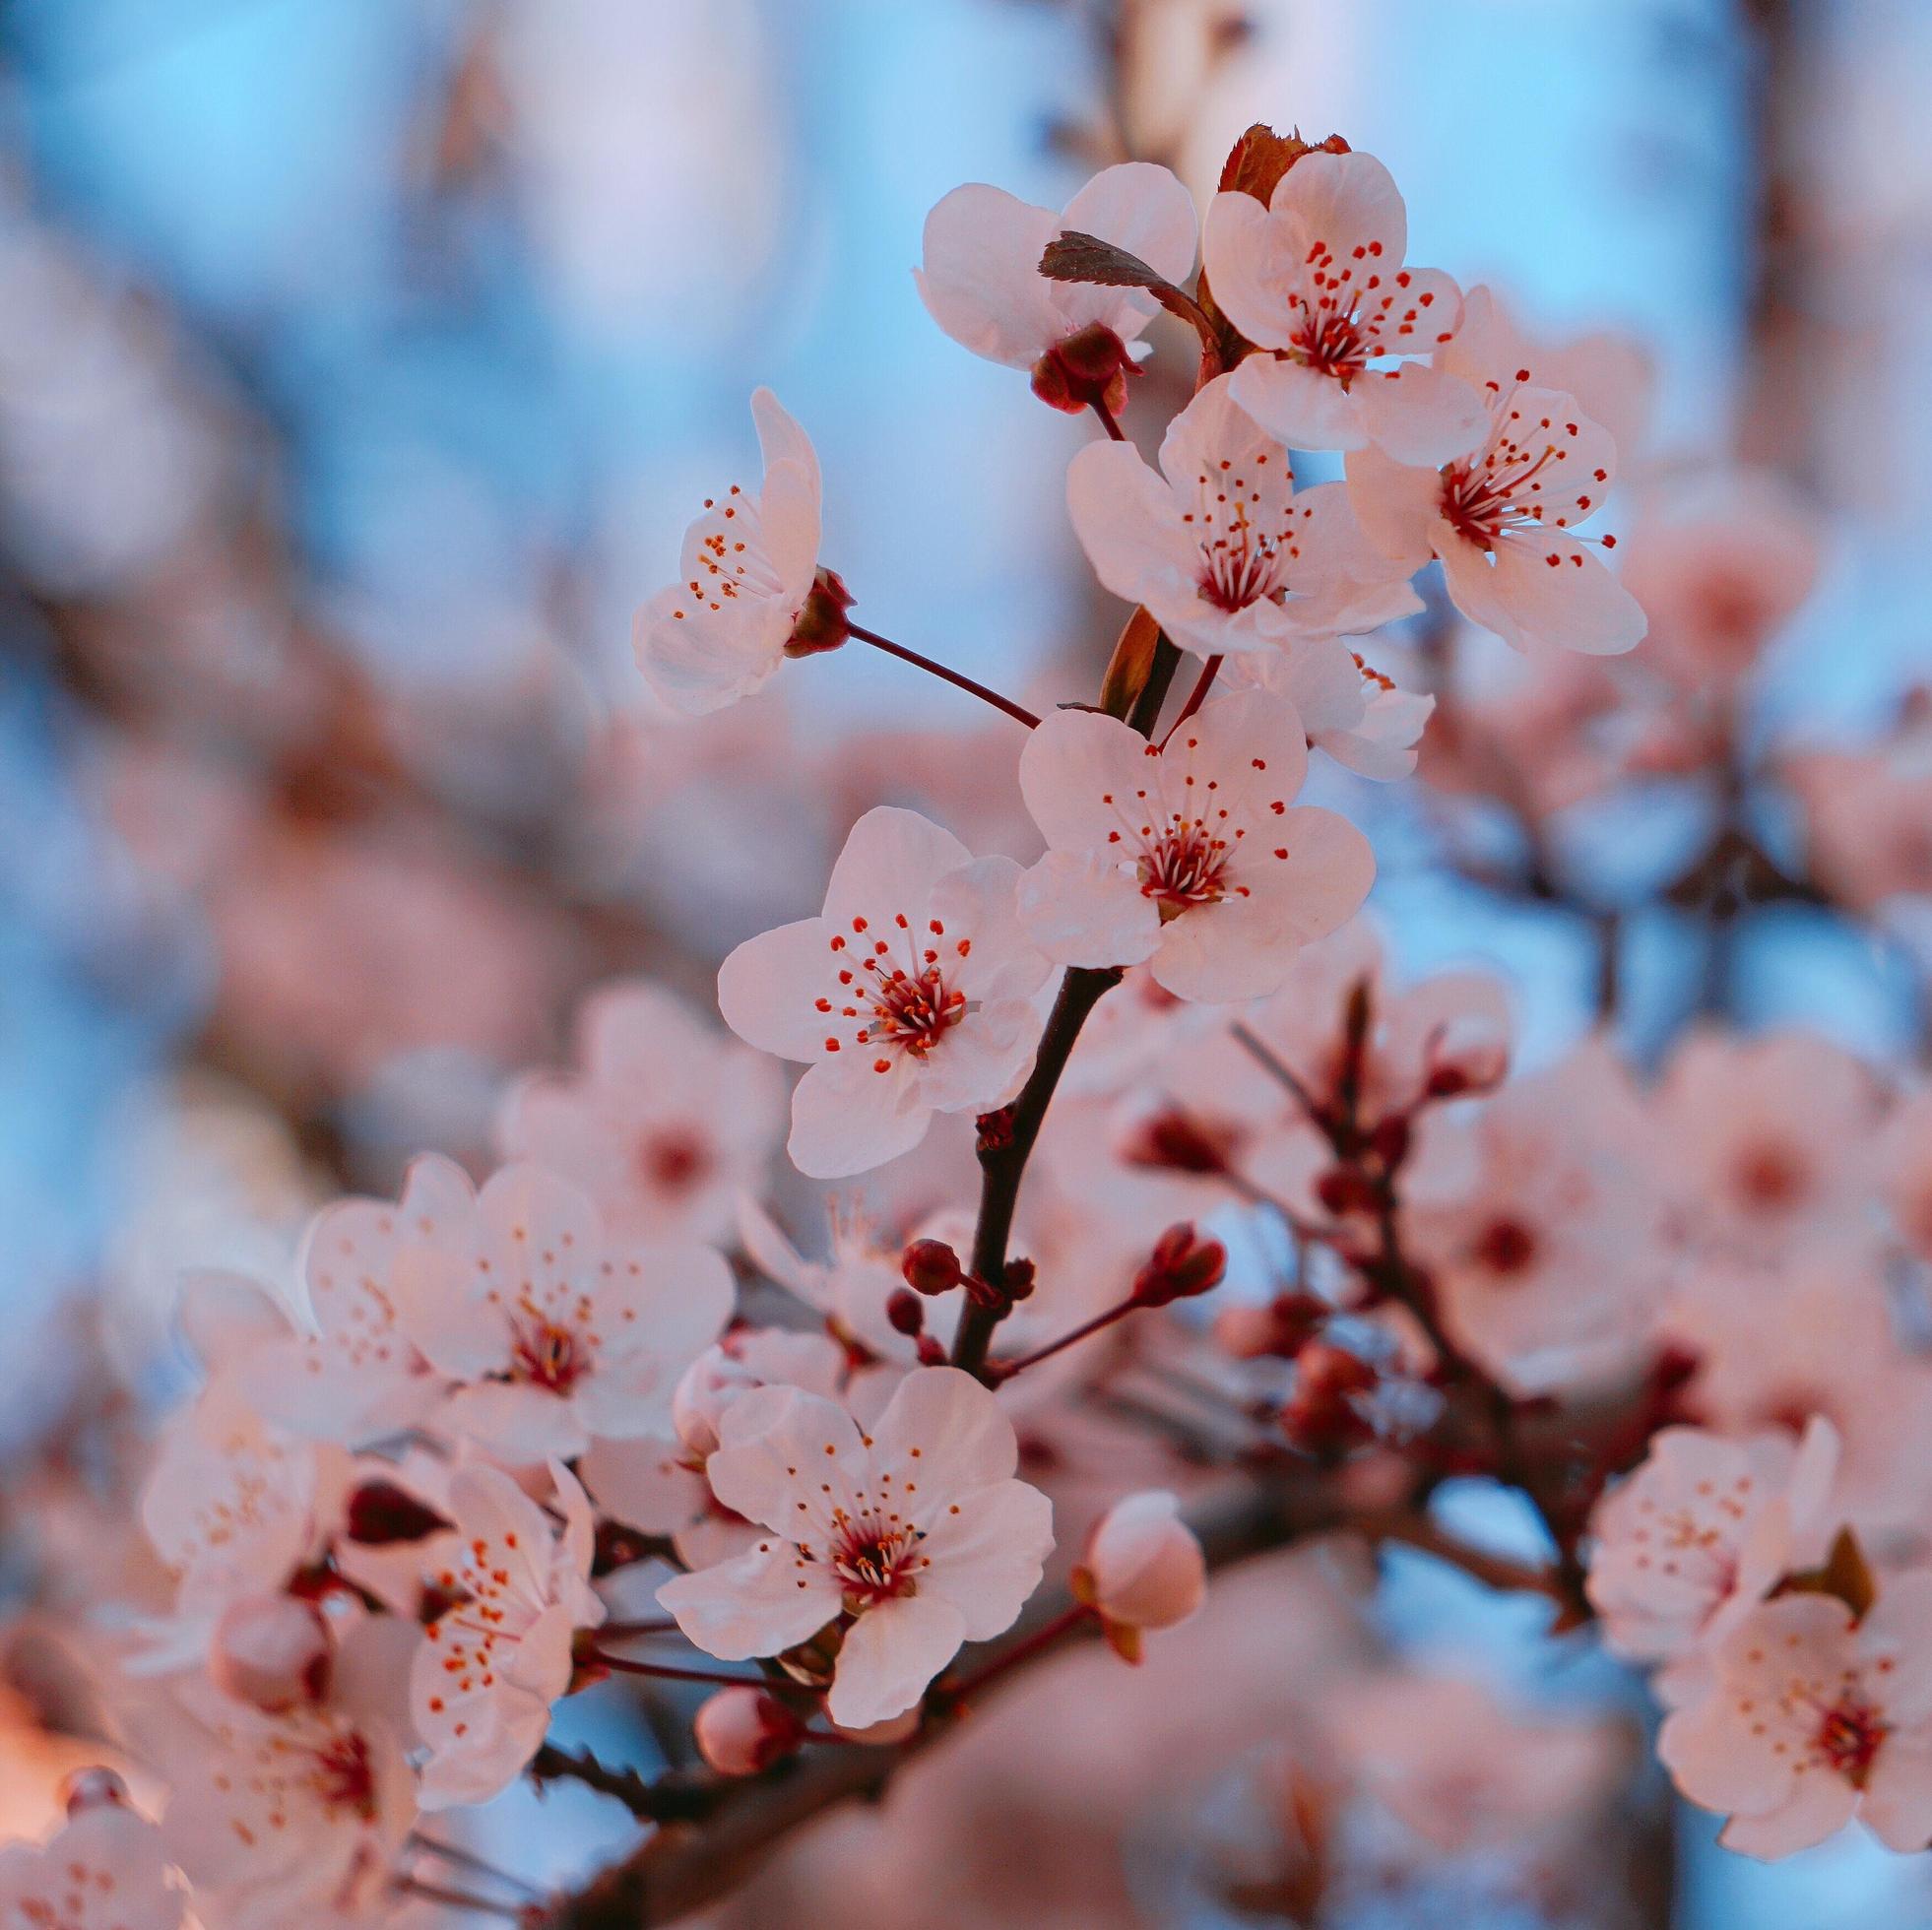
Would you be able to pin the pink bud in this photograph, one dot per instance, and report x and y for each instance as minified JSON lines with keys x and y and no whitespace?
{"x":1147,"y":1568}
{"x":93,"y":1788}
{"x":271,"y":1650}
{"x":741,"y":1731}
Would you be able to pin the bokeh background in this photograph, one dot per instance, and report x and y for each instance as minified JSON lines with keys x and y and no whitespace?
{"x":360,"y":361}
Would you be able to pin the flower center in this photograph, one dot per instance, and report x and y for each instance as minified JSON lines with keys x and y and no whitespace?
{"x":546,"y":1355}
{"x":913,"y":1012}
{"x":1185,"y":868}
{"x":1334,"y":342}
{"x":672,"y":1161}
{"x":1504,"y":1247}
{"x":1240,"y":565}
{"x":1499,"y":490}
{"x":1771,"y":1177}
{"x":1848,"y":1738}
{"x":344,"y":1777}
{"x":874,"y":1562}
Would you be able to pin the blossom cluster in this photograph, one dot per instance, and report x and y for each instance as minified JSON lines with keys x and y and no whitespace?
{"x":634,"y":1403}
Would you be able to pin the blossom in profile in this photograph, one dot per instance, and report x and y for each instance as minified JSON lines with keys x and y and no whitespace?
{"x":1815,"y":1715}
{"x":552,"y":1331}
{"x":663,"y":1121}
{"x":912,"y":992}
{"x":1144,"y":1568}
{"x":1317,"y":281}
{"x":981,"y":281}
{"x":1220,"y":546}
{"x":1362,"y":717}
{"x":517,"y":1588}
{"x":745,"y":578}
{"x":914,"y":1538}
{"x":1186,"y":854}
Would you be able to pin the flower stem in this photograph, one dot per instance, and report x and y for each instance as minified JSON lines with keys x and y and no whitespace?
{"x":1015,"y":711}
{"x":1107,"y":420}
{"x":622,"y":1666}
{"x":1006,"y":1370}
{"x":1046,"y":1636}
{"x":468,"y":1859}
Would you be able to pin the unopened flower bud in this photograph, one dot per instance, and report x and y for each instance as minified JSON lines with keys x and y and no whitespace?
{"x":931,"y":1351}
{"x":1020,"y":1276}
{"x":931,"y":1266}
{"x":741,"y":1731}
{"x":1342,"y":1190}
{"x":1181,"y":1266}
{"x":94,"y":1787}
{"x":1091,"y":366}
{"x":1145,"y":1566}
{"x":1173,"y":1142}
{"x":271,"y":1650}
{"x":380,"y":1513}
{"x":821,"y":623}
{"x":904,"y":1311}
{"x":1324,"y":1410}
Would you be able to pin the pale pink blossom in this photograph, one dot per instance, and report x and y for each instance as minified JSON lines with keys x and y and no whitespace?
{"x":103,"y":1869}
{"x":911,"y":994}
{"x":553,"y":1332}
{"x":1363,"y":719}
{"x":1770,"y":1142}
{"x":1145,"y":1566}
{"x":664,"y":1121}
{"x":495,"y":1660}
{"x":1868,"y":811}
{"x":1185,"y":853}
{"x":278,"y":1816}
{"x":352,"y":1373}
{"x":1702,"y":1531}
{"x":981,"y":279}
{"x":1318,"y":280}
{"x":1813,"y":1717}
{"x":1502,"y":518}
{"x":747,"y":572}
{"x":1220,"y":546}
{"x":916,"y":1538}
{"x":850,"y":1287}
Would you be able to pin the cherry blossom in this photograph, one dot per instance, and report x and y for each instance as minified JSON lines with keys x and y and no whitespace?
{"x":745,"y":578}
{"x":103,"y":1869}
{"x":911,"y":994}
{"x":916,"y":1536}
{"x":1220,"y":546}
{"x":1702,"y":1530}
{"x":1185,"y":853}
{"x":1815,"y":1716}
{"x":499,"y":1654}
{"x":662,"y":1126}
{"x":1317,"y":280}
{"x":981,"y":279}
{"x":1501,"y":517}
{"x":1360,"y":717}
{"x":1144,"y":1568}
{"x":554,"y":1331}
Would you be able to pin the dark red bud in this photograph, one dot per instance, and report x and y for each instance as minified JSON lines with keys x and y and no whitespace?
{"x":1325,"y":1412}
{"x":1390,"y":1140}
{"x":380,"y":1513}
{"x":1179,"y":1145}
{"x":1088,"y":367}
{"x":904,"y":1311}
{"x":931,"y":1266}
{"x":930,"y":1352}
{"x":995,"y":1130}
{"x":1181,"y":1266}
{"x":1342,"y":1189}
{"x":1020,"y":1275}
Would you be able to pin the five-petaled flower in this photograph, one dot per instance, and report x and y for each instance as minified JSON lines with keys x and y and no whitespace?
{"x":103,"y":1869}
{"x":1317,"y":279}
{"x":745,"y":579}
{"x":914,"y":1538}
{"x":1220,"y":546}
{"x":911,"y":994}
{"x":1188,"y":854}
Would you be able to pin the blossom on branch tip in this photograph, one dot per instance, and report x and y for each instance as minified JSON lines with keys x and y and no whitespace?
{"x":914,"y":1538}
{"x":911,"y":994}
{"x":1188,"y":854}
{"x":746,"y":579}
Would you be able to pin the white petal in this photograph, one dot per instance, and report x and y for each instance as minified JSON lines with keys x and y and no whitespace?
{"x":1080,"y":908}
{"x":1299,"y":405}
{"x":890,"y":1654}
{"x":1419,"y":415}
{"x":981,"y":279}
{"x":1129,"y":525}
{"x":761,"y":1603}
{"x":847,"y":1118}
{"x":986,"y":1560}
{"x":947,"y":1431}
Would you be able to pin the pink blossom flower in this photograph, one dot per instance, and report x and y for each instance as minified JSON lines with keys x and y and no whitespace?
{"x":663,"y":1124}
{"x":1868,"y":811}
{"x":747,"y":572}
{"x":1501,"y":517}
{"x":103,"y":1869}
{"x":1144,"y":1567}
{"x":1905,"y":1171}
{"x":1220,"y":546}
{"x":1363,"y":719}
{"x":354,"y":1374}
{"x":1702,"y":1532}
{"x":911,"y":994}
{"x":1813,"y":1717}
{"x":554,"y":1332}
{"x":917,"y":1532}
{"x":1185,"y":853}
{"x":981,"y":281}
{"x":850,"y":1287}
{"x":495,"y":1660}
{"x":1318,"y":279}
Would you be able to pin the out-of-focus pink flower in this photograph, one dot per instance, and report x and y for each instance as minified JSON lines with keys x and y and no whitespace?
{"x":1813,"y":1717}
{"x":981,"y":279}
{"x":553,"y":1331}
{"x":663,"y":1124}
{"x":1185,"y":853}
{"x":1868,"y":813}
{"x":1319,"y":279}
{"x":911,"y":994}
{"x":744,"y":1731}
{"x":1144,"y":1567}
{"x":499,"y":1654}
{"x":271,"y":1650}
{"x":1501,"y":518}
{"x":1702,"y":1532}
{"x":745,"y":575}
{"x":1220,"y":546}
{"x":918,"y":1532}
{"x":103,"y":1869}
{"x":1904,"y":1164}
